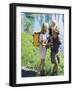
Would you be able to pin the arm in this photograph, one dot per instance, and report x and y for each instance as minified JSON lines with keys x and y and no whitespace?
{"x":50,"y":42}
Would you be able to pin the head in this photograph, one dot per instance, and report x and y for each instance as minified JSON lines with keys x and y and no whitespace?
{"x":44,"y":28}
{"x":54,"y":25}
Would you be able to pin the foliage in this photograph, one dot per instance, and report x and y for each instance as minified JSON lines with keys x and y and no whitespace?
{"x":28,"y":25}
{"x":30,"y":56}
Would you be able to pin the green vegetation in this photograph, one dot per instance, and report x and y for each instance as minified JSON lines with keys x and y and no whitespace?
{"x":30,"y":55}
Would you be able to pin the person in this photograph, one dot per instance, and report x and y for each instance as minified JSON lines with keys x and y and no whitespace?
{"x":43,"y":42}
{"x":55,"y":40}
{"x":51,"y":29}
{"x":54,"y":51}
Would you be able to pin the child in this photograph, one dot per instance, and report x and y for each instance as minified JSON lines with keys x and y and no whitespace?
{"x":54,"y":41}
{"x":43,"y":42}
{"x":54,"y":51}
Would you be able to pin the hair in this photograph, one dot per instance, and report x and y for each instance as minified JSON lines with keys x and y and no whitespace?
{"x":53,"y":24}
{"x":44,"y":25}
{"x":56,"y":31}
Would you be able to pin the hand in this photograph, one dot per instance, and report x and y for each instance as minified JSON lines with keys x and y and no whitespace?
{"x":43,"y":44}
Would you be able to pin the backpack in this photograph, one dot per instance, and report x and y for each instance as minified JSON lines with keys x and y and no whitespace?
{"x":36,"y":37}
